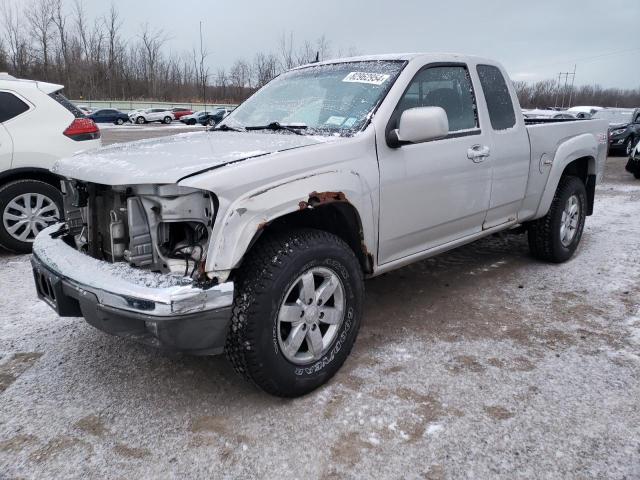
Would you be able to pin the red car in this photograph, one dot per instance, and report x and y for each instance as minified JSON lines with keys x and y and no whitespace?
{"x":181,"y":112}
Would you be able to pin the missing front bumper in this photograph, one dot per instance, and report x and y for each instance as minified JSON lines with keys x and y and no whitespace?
{"x":156,"y":309}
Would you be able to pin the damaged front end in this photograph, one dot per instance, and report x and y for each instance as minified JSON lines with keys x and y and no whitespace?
{"x":161,"y":228}
{"x":131,"y":260}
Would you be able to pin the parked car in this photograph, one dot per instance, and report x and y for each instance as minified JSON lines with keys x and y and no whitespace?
{"x":254,"y":237}
{"x":195,"y":117}
{"x":161,"y":115}
{"x":214,"y":117}
{"x":109,"y":115}
{"x":38,"y":125}
{"x":633,"y":164}
{"x":624,"y":128}
{"x":549,"y":114}
{"x":180,"y":112}
{"x":578,"y":109}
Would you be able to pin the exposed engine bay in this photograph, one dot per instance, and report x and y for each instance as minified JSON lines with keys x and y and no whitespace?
{"x":162,"y":228}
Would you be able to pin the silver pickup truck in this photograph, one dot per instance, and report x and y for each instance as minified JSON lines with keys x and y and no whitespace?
{"x":254,"y":237}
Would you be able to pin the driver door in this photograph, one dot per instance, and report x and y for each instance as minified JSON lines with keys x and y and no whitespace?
{"x":435,"y":192}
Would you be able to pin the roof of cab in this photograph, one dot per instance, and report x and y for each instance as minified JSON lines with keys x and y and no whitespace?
{"x":423,"y":57}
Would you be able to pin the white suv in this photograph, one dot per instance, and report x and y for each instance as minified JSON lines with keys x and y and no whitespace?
{"x":38,"y":126}
{"x":151,"y":115}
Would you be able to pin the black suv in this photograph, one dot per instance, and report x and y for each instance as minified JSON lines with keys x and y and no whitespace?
{"x":624,"y":128}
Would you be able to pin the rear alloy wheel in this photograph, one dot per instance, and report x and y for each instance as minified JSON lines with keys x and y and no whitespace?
{"x":141,"y":120}
{"x":167,"y":120}
{"x":119,"y":121}
{"x":555,"y":237}
{"x":211,"y":122}
{"x":296,"y":312}
{"x":27,"y":207}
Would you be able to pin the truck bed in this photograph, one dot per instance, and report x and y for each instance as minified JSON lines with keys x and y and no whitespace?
{"x":546,"y":136}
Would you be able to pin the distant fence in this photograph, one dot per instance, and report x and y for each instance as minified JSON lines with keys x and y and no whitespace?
{"x":133,"y":105}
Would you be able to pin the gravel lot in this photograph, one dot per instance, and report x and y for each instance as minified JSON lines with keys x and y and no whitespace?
{"x":480,"y":363}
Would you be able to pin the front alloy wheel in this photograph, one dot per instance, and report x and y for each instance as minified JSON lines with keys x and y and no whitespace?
{"x":296,"y":312}
{"x":311,"y":315}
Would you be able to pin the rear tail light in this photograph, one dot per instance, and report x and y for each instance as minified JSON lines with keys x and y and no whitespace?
{"x":82,"y":129}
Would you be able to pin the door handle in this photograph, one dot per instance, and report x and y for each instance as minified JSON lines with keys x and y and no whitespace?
{"x":478,"y":153}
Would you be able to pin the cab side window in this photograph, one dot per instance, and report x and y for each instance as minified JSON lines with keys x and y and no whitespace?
{"x":496,"y":93}
{"x":448,"y":87}
{"x":11,"y":106}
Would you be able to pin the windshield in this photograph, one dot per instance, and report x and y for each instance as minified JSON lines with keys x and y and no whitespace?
{"x":324,"y":99}
{"x":614,"y":116}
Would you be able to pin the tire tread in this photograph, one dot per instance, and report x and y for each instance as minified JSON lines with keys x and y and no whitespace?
{"x":253,"y":281}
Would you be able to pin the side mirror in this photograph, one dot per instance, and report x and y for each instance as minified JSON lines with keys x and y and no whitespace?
{"x":419,"y":125}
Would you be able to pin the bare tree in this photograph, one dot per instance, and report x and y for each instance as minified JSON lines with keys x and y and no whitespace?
{"x":19,"y":50}
{"x":265,"y":67}
{"x":112,"y":24}
{"x":287,"y":58}
{"x":39,"y":15}
{"x":151,"y":46}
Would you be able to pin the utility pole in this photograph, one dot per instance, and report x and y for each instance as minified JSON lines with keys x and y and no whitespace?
{"x":566,"y":76}
{"x":555,"y":101}
{"x":573,"y":80}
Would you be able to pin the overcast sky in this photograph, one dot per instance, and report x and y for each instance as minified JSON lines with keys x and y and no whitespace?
{"x":534,"y":39}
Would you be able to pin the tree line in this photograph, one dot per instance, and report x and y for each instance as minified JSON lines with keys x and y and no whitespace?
{"x":56,"y":41}
{"x":547,"y":93}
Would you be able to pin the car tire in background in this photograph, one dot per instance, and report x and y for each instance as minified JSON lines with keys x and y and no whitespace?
{"x":119,"y":121}
{"x":211,"y":122}
{"x":166,"y":120}
{"x":296,"y":312}
{"x":555,"y":237}
{"x":141,"y":120}
{"x":26,"y":208}
{"x":629,"y":145}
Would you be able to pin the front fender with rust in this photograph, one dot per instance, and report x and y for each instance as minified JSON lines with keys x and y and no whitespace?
{"x":255,"y":192}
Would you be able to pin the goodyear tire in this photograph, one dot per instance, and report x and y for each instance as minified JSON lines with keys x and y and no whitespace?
{"x":555,"y":237}
{"x":297,"y":311}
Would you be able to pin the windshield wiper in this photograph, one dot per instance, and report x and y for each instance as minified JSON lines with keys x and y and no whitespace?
{"x":225,"y":128}
{"x":295,"y":128}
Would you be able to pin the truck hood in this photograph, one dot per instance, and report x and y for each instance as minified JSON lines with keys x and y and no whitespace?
{"x":166,"y":160}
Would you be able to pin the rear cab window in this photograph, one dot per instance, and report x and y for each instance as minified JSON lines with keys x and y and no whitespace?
{"x":497,"y":96}
{"x":11,"y":106}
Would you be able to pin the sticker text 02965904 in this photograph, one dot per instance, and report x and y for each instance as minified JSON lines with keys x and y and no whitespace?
{"x":364,"y":77}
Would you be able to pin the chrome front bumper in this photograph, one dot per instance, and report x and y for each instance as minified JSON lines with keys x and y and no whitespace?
{"x":121,"y":286}
{"x":164,"y":310}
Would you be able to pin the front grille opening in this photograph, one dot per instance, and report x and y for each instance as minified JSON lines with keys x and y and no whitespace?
{"x":45,"y":288}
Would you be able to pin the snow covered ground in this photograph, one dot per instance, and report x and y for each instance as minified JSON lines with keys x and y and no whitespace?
{"x":480,"y":363}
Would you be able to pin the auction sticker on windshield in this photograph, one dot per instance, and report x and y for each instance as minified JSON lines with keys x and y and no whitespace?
{"x":364,"y":77}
